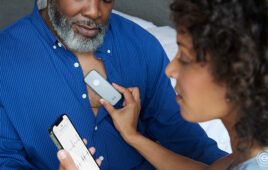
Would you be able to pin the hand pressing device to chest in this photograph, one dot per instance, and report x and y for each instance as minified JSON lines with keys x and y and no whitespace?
{"x":102,"y":87}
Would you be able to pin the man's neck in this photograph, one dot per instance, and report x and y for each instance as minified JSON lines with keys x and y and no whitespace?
{"x":83,"y":55}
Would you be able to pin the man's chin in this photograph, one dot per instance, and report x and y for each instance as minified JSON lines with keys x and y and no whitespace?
{"x":81,"y":37}
{"x":81,"y":44}
{"x":75,"y":41}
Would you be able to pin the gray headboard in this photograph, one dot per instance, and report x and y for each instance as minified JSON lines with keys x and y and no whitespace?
{"x":12,"y":10}
{"x":156,"y":11}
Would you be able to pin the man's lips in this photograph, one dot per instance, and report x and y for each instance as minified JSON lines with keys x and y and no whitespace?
{"x":88,"y":31}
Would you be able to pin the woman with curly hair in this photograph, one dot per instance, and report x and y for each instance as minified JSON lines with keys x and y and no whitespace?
{"x":222,"y":72}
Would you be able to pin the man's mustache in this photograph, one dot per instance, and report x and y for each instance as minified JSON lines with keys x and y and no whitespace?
{"x":87,"y":23}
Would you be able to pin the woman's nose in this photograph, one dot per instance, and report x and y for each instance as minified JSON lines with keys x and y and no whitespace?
{"x":172,"y":70}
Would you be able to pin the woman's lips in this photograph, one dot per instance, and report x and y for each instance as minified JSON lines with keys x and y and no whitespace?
{"x":178,"y":97}
{"x":87,"y":31}
{"x":178,"y":92}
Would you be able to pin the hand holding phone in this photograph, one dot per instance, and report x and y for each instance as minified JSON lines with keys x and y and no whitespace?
{"x":65,"y":136}
{"x":67,"y":163}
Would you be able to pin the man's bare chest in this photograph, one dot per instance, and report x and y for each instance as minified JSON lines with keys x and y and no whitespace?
{"x":88,"y":65}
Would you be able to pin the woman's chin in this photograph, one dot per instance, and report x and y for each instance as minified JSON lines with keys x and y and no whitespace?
{"x":194,"y":118}
{"x":189,"y":116}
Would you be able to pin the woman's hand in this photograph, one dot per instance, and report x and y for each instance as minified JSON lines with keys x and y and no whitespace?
{"x":125,"y":119}
{"x":66,"y":161}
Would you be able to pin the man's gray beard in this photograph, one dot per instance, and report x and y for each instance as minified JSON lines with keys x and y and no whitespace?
{"x":65,"y":32}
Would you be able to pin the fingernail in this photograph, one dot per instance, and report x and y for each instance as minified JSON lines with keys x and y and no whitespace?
{"x":62,"y":155}
{"x":101,"y":101}
{"x":92,"y":149}
{"x":101,"y":158}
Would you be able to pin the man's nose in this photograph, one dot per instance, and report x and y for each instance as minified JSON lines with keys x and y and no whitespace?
{"x":92,"y":9}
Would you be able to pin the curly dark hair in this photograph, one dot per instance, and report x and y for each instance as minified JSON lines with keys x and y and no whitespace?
{"x":234,"y":34}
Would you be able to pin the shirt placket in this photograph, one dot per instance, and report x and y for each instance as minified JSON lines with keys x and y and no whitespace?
{"x":73,"y":74}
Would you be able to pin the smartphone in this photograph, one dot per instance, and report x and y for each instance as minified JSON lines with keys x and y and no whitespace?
{"x":102,"y":87}
{"x":65,"y":136}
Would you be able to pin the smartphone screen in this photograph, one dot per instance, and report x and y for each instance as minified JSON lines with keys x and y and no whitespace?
{"x":68,"y":138}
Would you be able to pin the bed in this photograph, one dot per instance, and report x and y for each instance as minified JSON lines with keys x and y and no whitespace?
{"x":153,"y":16}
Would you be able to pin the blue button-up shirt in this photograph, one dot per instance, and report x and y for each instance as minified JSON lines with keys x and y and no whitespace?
{"x":40,"y":80}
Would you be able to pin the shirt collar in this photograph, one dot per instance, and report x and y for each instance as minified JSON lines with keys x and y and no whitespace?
{"x":107,"y":45}
{"x":41,"y":26}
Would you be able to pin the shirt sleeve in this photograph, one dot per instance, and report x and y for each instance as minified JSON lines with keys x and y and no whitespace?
{"x":161,"y":112}
{"x":12,"y":153}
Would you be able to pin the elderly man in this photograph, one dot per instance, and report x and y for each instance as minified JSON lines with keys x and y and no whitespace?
{"x":44,"y":58}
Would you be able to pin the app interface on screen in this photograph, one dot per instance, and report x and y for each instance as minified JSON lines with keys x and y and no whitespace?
{"x":71,"y":142}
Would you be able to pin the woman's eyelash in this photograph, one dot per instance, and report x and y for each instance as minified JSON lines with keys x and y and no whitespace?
{"x":107,"y":1}
{"x":183,"y":62}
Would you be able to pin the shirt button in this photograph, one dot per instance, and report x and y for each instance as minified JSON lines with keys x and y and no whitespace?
{"x":96,"y":128}
{"x":108,"y":51}
{"x":76,"y":65}
{"x":54,"y":47}
{"x":101,"y":158}
{"x":84,"y":96}
{"x":59,"y":44}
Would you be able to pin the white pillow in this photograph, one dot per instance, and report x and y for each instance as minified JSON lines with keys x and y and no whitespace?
{"x":143,"y":23}
{"x":167,"y":37}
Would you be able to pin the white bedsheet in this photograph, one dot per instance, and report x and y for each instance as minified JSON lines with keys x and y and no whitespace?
{"x":167,"y":37}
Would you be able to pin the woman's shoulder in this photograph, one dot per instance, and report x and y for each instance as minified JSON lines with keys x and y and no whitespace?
{"x":259,"y":162}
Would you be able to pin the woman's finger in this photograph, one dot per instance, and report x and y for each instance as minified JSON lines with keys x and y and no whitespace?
{"x":135,"y":93}
{"x":85,"y":141}
{"x":110,"y":109}
{"x":127,"y":94}
{"x":99,"y":160}
{"x":92,"y":150}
